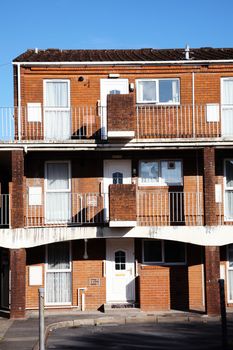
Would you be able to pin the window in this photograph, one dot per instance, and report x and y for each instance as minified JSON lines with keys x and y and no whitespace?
{"x":164,"y":252}
{"x":58,"y":197}
{"x":58,"y":274}
{"x":228,"y":189}
{"x":120,"y":260}
{"x":57,"y":114}
{"x":230,"y":271}
{"x":160,"y":172}
{"x":117,"y":178}
{"x":161,"y":91}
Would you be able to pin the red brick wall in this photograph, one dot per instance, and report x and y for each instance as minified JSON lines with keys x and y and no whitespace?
{"x":122,"y":200}
{"x":209,"y":186}
{"x":154,"y":282}
{"x":17,"y":207}
{"x":87,"y":92}
{"x":18,"y":282}
{"x":212,"y":275}
{"x":121,"y":112}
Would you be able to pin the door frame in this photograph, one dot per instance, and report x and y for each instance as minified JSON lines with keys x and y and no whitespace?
{"x":106,"y":183}
{"x":58,"y":191}
{"x":103,"y":101}
{"x":46,"y":108}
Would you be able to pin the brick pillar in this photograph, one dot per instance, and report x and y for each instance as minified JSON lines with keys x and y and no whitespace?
{"x":17,"y":211}
{"x":212,"y":257}
{"x":209,"y":186}
{"x":212,"y":275}
{"x":18,"y":282}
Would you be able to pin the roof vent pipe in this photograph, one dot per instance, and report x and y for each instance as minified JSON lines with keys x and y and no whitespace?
{"x":187,"y":51}
{"x":36,"y":50}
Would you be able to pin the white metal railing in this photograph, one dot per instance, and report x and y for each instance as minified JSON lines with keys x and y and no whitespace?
{"x":4,"y":210}
{"x":49,"y":124}
{"x":61,"y":208}
{"x":169,"y":208}
{"x":39,"y":123}
{"x":178,"y":121}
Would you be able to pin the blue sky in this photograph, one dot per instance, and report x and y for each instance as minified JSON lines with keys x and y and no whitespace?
{"x":108,"y":24}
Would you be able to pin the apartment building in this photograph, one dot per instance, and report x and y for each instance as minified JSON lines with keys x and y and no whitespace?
{"x":117,"y":180}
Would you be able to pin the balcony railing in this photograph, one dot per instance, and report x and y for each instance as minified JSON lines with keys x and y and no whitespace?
{"x":181,"y":121}
{"x":4,"y":210}
{"x":169,"y":208}
{"x":66,"y":209}
{"x":43,"y":124}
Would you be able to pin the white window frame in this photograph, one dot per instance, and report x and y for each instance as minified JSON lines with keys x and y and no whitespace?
{"x":47,"y":270}
{"x":227,"y":277}
{"x":163,"y":262}
{"x":160,"y":181}
{"x":56,"y":191}
{"x":226,"y":189}
{"x":45,"y":81}
{"x":156,"y":80}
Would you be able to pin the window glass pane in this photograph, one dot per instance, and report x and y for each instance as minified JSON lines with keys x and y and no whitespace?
{"x":230,"y":278}
{"x":227,"y":97}
{"x":149,"y":171}
{"x":57,"y":176}
{"x":147,"y":91}
{"x":120,"y":260}
{"x":58,"y":287}
{"x":117,"y":178}
{"x":171,"y":172}
{"x":229,"y":173}
{"x":59,"y":256}
{"x":169,"y":91}
{"x":56,"y":94}
{"x":174,"y":252}
{"x":230,"y":252}
{"x":152,"y":251}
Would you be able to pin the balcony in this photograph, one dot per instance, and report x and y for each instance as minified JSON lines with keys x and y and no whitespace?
{"x":183,"y":122}
{"x":126,"y":206}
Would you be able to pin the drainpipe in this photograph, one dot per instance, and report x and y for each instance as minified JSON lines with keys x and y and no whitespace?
{"x":193,"y":102}
{"x":19,"y":101}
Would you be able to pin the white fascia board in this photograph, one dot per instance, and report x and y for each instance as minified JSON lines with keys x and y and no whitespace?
{"x":120,"y":63}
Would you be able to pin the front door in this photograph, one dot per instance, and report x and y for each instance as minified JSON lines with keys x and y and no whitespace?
{"x":57,"y":114}
{"x":109,"y":87}
{"x":227,"y":107}
{"x":120,"y":270}
{"x":117,"y":171}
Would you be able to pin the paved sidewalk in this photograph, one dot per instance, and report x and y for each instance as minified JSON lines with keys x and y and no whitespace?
{"x":23,"y":334}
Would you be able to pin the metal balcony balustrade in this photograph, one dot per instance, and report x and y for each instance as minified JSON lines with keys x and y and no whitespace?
{"x":41,"y":124}
{"x":76,"y":209}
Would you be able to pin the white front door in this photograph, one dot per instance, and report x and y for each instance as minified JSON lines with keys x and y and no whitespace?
{"x":57,"y":115}
{"x":110,"y":87}
{"x":117,"y":171}
{"x":227,"y":107}
{"x":120,"y":270}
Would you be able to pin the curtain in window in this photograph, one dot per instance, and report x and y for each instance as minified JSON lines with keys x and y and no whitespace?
{"x":227,"y":108}
{"x":58,"y":207}
{"x":229,"y":204}
{"x":57,"y":176}
{"x":58,"y":196}
{"x":57,"y":111}
{"x":59,"y":256}
{"x":56,"y":94}
{"x":175,"y":91}
{"x":58,"y":283}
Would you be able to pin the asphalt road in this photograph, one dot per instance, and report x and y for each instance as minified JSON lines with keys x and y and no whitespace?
{"x":181,"y":336}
